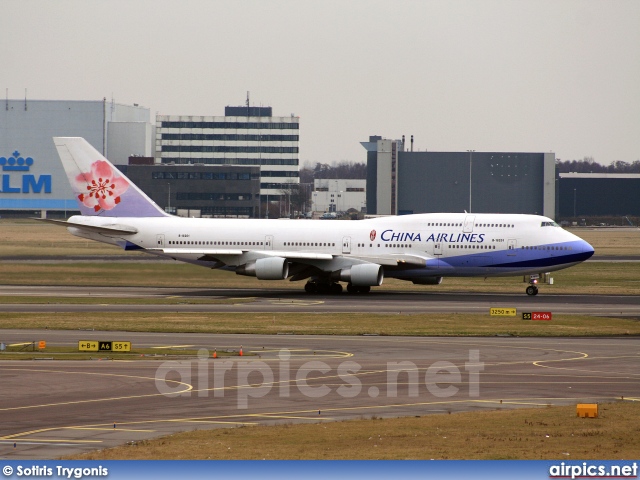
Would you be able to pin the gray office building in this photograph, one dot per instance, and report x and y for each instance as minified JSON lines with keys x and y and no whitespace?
{"x":403,"y":182}
{"x":243,"y":136}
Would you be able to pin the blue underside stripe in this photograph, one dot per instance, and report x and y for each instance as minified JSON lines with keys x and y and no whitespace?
{"x":497,"y":260}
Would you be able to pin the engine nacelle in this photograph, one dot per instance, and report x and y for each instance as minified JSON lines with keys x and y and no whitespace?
{"x":427,"y":281}
{"x":365,"y":275}
{"x":272,"y":268}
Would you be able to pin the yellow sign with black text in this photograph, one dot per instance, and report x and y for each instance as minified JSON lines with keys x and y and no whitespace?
{"x":502,"y":312}
{"x":88,"y":346}
{"x":95,"y":346}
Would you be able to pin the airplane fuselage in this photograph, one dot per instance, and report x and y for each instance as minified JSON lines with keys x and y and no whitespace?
{"x":409,"y":247}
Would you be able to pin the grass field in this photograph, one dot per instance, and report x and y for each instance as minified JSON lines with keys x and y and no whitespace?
{"x":433,"y":324}
{"x":523,"y":434}
{"x":586,"y":278}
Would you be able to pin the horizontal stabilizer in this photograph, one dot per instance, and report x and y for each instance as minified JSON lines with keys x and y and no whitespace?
{"x":113,"y":229}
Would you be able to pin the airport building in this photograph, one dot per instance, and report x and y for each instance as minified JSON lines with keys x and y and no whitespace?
{"x":403,"y":182}
{"x":339,"y":195}
{"x":33,"y":180}
{"x":243,"y":136}
{"x":189,"y":190}
{"x":598,"y":194}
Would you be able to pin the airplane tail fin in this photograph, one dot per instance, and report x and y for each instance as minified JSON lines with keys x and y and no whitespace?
{"x":99,"y":188}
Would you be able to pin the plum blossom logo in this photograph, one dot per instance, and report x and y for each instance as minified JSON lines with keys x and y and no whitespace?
{"x":104,"y":186}
{"x":372,"y":235}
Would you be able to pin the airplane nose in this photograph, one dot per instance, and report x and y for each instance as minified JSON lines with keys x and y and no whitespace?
{"x":587,"y":249}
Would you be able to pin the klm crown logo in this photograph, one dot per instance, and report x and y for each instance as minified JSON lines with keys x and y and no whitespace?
{"x":25,"y":183}
{"x":16,"y":163}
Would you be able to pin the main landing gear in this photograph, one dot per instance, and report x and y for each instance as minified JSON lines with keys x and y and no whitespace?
{"x":333,"y":288}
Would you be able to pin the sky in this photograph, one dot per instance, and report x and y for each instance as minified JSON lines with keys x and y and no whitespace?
{"x":557,"y":76}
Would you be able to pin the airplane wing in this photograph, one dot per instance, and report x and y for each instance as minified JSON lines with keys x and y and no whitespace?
{"x":208,"y":254}
{"x":323,"y":261}
{"x":397,"y":260}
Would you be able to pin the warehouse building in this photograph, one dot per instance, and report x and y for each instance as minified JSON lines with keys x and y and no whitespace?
{"x":339,"y":195}
{"x":598,"y":194}
{"x":33,"y":180}
{"x":404,"y":182}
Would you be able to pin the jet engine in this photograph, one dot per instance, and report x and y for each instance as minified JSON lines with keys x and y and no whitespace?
{"x":272,"y":268}
{"x":364,"y":275}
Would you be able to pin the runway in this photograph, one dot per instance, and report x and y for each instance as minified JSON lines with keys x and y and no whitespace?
{"x":289,"y":300}
{"x":54,"y":408}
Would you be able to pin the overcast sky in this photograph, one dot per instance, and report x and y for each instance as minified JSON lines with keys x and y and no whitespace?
{"x":529,"y":75}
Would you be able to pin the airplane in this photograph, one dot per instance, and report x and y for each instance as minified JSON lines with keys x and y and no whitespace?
{"x":421,"y":248}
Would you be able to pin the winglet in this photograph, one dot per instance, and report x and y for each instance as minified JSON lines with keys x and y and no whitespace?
{"x":99,"y":188}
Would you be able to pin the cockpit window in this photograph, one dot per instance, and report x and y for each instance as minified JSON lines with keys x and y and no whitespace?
{"x":549,"y":224}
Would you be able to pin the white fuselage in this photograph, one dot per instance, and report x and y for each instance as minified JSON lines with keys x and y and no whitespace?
{"x":411,"y":246}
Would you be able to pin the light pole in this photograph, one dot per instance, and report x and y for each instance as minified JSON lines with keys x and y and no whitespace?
{"x":169,"y":199}
{"x":470,"y":164}
{"x":574,"y":203}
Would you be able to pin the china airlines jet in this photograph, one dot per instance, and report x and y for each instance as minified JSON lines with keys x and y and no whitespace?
{"x":420,"y":248}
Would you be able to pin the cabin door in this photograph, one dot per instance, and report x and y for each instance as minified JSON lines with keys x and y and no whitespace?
{"x":268,"y":242}
{"x":468,"y":223}
{"x":346,"y":244}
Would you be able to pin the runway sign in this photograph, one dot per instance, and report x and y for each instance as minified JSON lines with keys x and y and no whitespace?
{"x":95,"y":346}
{"x":503,"y":312}
{"x":537,"y":316}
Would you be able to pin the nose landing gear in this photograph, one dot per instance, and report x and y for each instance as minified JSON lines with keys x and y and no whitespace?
{"x":532,"y":289}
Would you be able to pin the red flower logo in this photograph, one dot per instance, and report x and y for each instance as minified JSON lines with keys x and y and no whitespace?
{"x":104,"y":186}
{"x":372,"y":235}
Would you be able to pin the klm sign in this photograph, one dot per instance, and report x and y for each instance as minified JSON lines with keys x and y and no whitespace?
{"x":14,"y":182}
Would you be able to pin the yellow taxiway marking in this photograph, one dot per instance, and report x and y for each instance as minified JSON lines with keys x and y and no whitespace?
{"x":214,"y":421}
{"x":17,"y":436}
{"x":47,"y":440}
{"x":295,"y":353}
{"x":107,"y":429}
{"x":20,"y":344}
{"x":188,"y":388}
{"x":295,"y":417}
{"x":174,"y":346}
{"x":296,"y":303}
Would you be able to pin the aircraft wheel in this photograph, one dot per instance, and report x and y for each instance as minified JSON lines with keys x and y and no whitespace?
{"x":365,"y":289}
{"x":351,"y":288}
{"x":336,"y":288}
{"x":311,"y":287}
{"x":532,"y":290}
